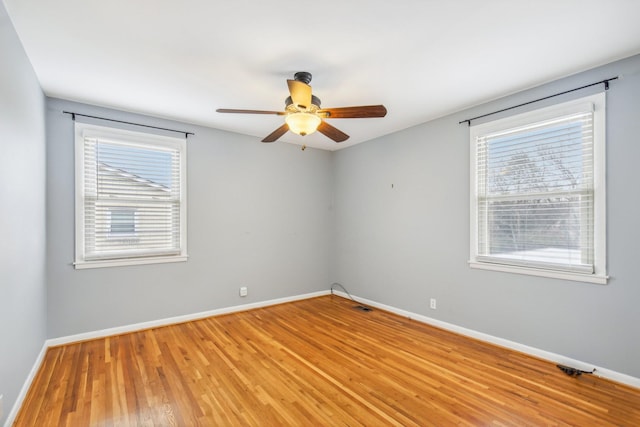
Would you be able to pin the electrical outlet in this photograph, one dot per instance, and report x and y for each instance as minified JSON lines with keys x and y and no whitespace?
{"x":243,"y":291}
{"x":432,"y":303}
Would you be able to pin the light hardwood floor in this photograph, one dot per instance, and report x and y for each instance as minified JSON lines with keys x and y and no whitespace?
{"x":309,"y":363}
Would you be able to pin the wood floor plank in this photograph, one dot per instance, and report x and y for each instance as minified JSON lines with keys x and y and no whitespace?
{"x":312,"y":362}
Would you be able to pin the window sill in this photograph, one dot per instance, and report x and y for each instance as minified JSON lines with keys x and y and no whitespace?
{"x":81,"y":265}
{"x":589,"y":278}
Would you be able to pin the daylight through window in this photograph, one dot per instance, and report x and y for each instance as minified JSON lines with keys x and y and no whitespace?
{"x":130,"y":205}
{"x":538,"y":191}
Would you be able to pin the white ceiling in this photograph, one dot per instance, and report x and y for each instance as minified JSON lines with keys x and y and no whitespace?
{"x":422,"y":59}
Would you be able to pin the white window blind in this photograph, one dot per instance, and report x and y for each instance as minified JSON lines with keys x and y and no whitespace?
{"x":131,"y":195}
{"x":535,"y":192}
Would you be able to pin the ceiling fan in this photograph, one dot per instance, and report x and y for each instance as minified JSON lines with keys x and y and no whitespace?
{"x":304,"y":116}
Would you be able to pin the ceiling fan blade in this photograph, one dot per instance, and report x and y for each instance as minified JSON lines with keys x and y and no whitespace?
{"x":334,"y":133}
{"x":300,"y":93}
{"x":230,"y":110}
{"x":276,"y":133}
{"x":364,"y":111}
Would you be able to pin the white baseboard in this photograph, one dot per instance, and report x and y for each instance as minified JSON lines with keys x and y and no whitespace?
{"x":25,"y":387}
{"x":556,"y":358}
{"x":53,"y":342}
{"x":542,"y":354}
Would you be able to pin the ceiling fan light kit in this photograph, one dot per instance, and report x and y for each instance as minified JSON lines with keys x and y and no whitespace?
{"x":301,"y":119}
{"x":303,"y":114}
{"x":302,"y":123}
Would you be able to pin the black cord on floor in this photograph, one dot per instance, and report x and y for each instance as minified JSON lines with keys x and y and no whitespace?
{"x":360,"y":306}
{"x":573,"y":372}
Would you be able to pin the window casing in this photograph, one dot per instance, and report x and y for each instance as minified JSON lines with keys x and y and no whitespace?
{"x":538,"y":192}
{"x":130,"y":197}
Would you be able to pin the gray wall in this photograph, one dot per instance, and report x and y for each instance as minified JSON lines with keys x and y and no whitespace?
{"x":22,"y":215}
{"x":388,"y":219}
{"x":285,"y":222}
{"x":258,"y":216}
{"x":403,"y":245}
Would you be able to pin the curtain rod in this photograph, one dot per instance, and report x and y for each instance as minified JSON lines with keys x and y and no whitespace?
{"x":606,"y":87}
{"x":73,"y":116}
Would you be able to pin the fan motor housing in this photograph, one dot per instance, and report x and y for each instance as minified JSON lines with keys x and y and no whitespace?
{"x":314,"y":101}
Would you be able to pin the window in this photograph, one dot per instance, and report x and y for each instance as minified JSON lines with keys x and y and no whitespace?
{"x":130,"y":197}
{"x":537,"y":192}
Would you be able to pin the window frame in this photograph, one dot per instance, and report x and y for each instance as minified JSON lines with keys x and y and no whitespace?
{"x":598,"y":102}
{"x":130,"y":138}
